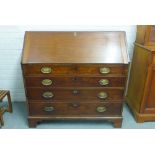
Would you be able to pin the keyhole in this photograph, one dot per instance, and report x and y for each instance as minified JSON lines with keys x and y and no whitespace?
{"x":75,"y":79}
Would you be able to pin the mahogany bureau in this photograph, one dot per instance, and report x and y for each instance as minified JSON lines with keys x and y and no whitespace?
{"x":75,"y":75}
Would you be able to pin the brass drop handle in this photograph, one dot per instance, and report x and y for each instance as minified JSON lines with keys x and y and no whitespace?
{"x":101,"y":109}
{"x":104,"y":70}
{"x":48,"y":95}
{"x":75,"y":105}
{"x":46,"y":82}
{"x":104,"y":82}
{"x":48,"y":109}
{"x":75,"y":91}
{"x":46,"y":70}
{"x":102,"y":95}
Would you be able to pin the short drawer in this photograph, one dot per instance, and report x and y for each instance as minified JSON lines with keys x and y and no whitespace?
{"x":63,"y":94}
{"x":74,"y":69}
{"x":75,"y":81}
{"x":103,"y":81}
{"x":75,"y":108}
{"x":47,"y":82}
{"x":48,"y":69}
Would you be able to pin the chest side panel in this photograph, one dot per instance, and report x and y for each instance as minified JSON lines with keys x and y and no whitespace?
{"x":138,"y":75}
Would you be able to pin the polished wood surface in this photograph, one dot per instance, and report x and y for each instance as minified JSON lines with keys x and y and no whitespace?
{"x":74,"y":75}
{"x":75,"y":47}
{"x":140,"y":95}
{"x":75,"y":81}
{"x":151,"y":96}
{"x":138,"y":74}
{"x":75,"y":69}
{"x":75,"y":109}
{"x":146,"y":35}
{"x":84,"y":94}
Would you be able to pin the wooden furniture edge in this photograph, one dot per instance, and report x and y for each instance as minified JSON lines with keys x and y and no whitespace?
{"x":139,"y":118}
{"x":33,"y":120}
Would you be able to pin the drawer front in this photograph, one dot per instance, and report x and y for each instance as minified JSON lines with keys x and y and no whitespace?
{"x":75,"y":108}
{"x":92,"y":94}
{"x":73,"y":69}
{"x":50,"y":82}
{"x":75,"y":82}
{"x":48,"y":69}
{"x":103,"y":70}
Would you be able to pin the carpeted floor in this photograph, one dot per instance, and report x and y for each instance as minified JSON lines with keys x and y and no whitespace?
{"x":18,"y":120}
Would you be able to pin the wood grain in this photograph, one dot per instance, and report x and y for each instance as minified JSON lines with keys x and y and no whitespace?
{"x":74,"y":69}
{"x":85,"y":94}
{"x":146,"y":35}
{"x":68,"y":109}
{"x":141,"y":90}
{"x":75,"y":81}
{"x":75,"y":60}
{"x":74,"y":47}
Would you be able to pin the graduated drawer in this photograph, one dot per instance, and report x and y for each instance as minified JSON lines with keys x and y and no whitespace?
{"x":75,"y":81}
{"x":77,"y":94}
{"x":75,"y":108}
{"x":74,"y":69}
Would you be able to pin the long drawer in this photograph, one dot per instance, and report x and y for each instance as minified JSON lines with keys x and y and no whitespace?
{"x":77,"y":94}
{"x":75,"y":81}
{"x":74,"y":69}
{"x":75,"y":108}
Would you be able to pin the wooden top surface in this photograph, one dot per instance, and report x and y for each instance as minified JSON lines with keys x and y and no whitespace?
{"x":148,"y":48}
{"x":75,"y":47}
{"x":151,"y":48}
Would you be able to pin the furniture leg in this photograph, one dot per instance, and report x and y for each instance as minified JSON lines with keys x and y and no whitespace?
{"x":117,"y":123}
{"x":32,"y":123}
{"x":9,"y":103}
